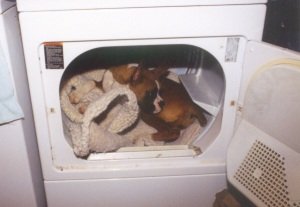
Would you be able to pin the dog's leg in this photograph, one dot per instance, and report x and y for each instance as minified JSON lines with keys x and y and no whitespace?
{"x":165,"y":132}
{"x":168,"y":135}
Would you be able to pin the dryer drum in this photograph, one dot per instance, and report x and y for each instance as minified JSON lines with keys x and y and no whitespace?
{"x":88,"y":83}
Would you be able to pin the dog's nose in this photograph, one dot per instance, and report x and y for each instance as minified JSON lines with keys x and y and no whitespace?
{"x":161,"y":104}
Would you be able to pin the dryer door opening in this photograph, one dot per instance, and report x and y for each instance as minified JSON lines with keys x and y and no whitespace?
{"x":83,"y":70}
{"x":181,"y":60}
{"x":93,"y":68}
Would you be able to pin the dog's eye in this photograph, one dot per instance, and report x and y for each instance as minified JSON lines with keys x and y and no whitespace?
{"x":152,"y":93}
{"x":73,"y":88}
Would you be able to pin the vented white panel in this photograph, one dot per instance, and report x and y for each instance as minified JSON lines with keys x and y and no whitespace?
{"x":262,"y":172}
{"x":263,"y":169}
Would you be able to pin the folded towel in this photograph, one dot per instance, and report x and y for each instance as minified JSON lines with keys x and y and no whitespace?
{"x":10,"y":110}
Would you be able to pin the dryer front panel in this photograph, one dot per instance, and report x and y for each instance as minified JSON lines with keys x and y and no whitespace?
{"x":44,"y":33}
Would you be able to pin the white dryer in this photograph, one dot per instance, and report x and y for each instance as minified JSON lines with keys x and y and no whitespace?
{"x":232,"y":78}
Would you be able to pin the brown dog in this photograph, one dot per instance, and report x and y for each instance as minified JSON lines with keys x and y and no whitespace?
{"x":165,"y":104}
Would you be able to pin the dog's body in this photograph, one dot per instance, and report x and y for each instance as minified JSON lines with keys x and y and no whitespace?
{"x":165,"y":104}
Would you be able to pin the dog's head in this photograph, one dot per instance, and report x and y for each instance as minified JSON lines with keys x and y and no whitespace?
{"x":144,"y":83}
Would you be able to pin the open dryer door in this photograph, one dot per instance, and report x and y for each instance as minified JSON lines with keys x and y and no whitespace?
{"x":263,"y":159}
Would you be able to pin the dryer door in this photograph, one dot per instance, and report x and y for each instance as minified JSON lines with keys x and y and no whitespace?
{"x":264,"y":155}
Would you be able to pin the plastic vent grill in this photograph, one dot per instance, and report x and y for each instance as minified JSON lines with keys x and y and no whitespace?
{"x":296,"y":204}
{"x":262,"y":172}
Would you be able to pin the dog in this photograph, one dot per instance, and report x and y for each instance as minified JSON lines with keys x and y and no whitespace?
{"x":165,"y":105}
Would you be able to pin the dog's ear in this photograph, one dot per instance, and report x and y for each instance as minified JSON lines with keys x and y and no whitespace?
{"x":125,"y":73}
{"x":136,"y":75}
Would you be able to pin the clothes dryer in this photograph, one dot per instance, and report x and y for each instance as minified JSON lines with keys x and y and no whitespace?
{"x":208,"y":44}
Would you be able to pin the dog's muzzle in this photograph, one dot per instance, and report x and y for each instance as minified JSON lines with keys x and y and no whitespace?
{"x":158,"y":102}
